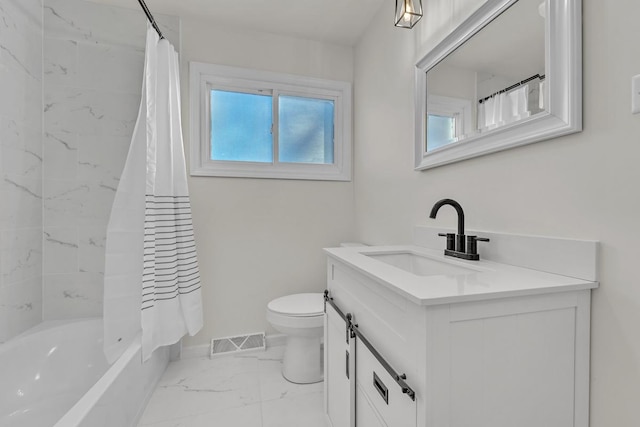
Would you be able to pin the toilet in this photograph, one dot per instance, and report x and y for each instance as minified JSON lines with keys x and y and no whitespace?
{"x":301,"y":318}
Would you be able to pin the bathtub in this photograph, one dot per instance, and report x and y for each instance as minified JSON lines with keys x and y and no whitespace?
{"x":56,"y":375}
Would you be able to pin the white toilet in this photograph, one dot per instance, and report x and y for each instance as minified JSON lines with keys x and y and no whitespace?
{"x":301,"y":318}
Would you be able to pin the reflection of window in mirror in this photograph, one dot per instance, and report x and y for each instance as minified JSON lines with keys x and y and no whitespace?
{"x":449,"y":119}
{"x":441,"y":129}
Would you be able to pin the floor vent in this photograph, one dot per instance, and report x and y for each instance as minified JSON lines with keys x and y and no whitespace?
{"x":220,"y":346}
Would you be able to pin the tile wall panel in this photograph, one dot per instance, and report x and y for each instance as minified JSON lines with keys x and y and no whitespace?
{"x":93,"y":64}
{"x":21,"y":161}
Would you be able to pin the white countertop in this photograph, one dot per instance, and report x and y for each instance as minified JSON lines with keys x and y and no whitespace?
{"x":485,"y":280}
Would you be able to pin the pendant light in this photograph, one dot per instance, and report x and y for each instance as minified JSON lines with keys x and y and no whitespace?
{"x":408,"y":13}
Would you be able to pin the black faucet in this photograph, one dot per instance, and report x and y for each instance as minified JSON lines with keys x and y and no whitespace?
{"x":456,"y":245}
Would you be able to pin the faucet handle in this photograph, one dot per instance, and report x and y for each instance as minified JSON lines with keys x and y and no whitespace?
{"x":472,"y":244}
{"x":451,"y":240}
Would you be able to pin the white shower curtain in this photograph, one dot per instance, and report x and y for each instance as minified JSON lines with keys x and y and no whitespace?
{"x":152,"y":280}
{"x":503,"y":108}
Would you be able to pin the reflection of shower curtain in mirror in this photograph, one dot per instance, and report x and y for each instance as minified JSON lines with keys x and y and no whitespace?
{"x":510,"y":106}
{"x":152,"y":280}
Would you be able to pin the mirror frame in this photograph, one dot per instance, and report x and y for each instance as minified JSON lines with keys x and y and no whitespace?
{"x":563,"y":69}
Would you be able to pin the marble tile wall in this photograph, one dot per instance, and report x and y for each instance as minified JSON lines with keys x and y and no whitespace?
{"x":93,"y":64}
{"x":21,"y":166}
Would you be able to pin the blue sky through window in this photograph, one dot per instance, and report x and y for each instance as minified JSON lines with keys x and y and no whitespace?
{"x":305,"y":130}
{"x":441,"y":130}
{"x":241,"y":127}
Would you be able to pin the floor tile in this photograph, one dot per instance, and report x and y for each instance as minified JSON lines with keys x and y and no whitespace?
{"x":241,"y":390}
{"x":274,"y":386}
{"x":194,"y":386}
{"x":246,"y":416}
{"x":303,"y":410}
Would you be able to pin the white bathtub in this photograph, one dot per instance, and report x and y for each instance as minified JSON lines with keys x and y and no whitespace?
{"x":56,"y":375}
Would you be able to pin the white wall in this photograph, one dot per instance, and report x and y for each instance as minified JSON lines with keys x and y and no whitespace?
{"x":259,"y":239}
{"x":20,"y":166}
{"x":580,"y":186}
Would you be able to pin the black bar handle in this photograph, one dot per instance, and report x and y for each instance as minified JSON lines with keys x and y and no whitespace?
{"x":329,"y":300}
{"x":346,"y":317}
{"x":399,"y":378}
{"x":354,"y":332}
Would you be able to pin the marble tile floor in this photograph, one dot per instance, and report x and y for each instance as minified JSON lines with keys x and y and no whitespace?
{"x":243,"y":390}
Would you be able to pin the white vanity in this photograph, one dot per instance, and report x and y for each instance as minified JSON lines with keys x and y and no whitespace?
{"x":500,"y":342}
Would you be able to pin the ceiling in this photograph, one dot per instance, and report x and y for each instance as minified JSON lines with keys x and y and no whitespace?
{"x":334,"y":21}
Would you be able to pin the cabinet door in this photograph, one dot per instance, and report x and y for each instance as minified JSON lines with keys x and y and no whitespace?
{"x":367,"y":414}
{"x":338,"y":371}
{"x":380,"y":400}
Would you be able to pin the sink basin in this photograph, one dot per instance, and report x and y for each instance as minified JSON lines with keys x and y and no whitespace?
{"x":420,"y":265}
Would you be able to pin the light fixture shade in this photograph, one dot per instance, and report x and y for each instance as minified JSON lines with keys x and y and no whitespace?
{"x":408,"y":13}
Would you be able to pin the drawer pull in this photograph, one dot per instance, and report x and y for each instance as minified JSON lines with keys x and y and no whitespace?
{"x":347,"y":365}
{"x":382,"y":389}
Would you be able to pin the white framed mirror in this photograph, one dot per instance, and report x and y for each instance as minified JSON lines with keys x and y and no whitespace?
{"x":510,"y":75}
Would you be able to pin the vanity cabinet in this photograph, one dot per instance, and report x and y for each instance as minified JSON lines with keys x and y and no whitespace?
{"x":505,"y":360}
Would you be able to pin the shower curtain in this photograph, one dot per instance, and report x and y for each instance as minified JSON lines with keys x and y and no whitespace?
{"x":504,"y":108}
{"x":152,"y":280}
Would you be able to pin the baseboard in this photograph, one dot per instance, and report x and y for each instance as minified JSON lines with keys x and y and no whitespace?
{"x":201,"y":350}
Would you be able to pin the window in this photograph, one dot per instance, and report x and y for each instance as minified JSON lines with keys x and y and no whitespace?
{"x":247,"y":123}
{"x":441,"y":129}
{"x":449,"y":120}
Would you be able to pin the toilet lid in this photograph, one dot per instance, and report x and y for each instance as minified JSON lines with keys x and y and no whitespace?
{"x":299,"y":305}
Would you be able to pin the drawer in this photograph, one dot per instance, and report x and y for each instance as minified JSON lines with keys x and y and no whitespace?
{"x":378,"y":396}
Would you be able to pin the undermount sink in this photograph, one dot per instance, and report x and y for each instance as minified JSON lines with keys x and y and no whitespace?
{"x":420,"y":265}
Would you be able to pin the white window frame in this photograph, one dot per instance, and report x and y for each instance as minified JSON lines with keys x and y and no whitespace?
{"x":457,"y":108}
{"x":205,"y":77}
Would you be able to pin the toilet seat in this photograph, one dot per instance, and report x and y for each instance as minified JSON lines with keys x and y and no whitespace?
{"x":298,"y":305}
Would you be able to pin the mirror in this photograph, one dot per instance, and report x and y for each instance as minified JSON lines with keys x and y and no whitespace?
{"x":509,"y":75}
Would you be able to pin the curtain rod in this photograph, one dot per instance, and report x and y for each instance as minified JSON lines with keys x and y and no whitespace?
{"x":150,"y":17}
{"x":513,"y":86}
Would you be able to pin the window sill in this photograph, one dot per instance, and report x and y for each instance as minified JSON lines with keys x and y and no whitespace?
{"x":309,"y":172}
